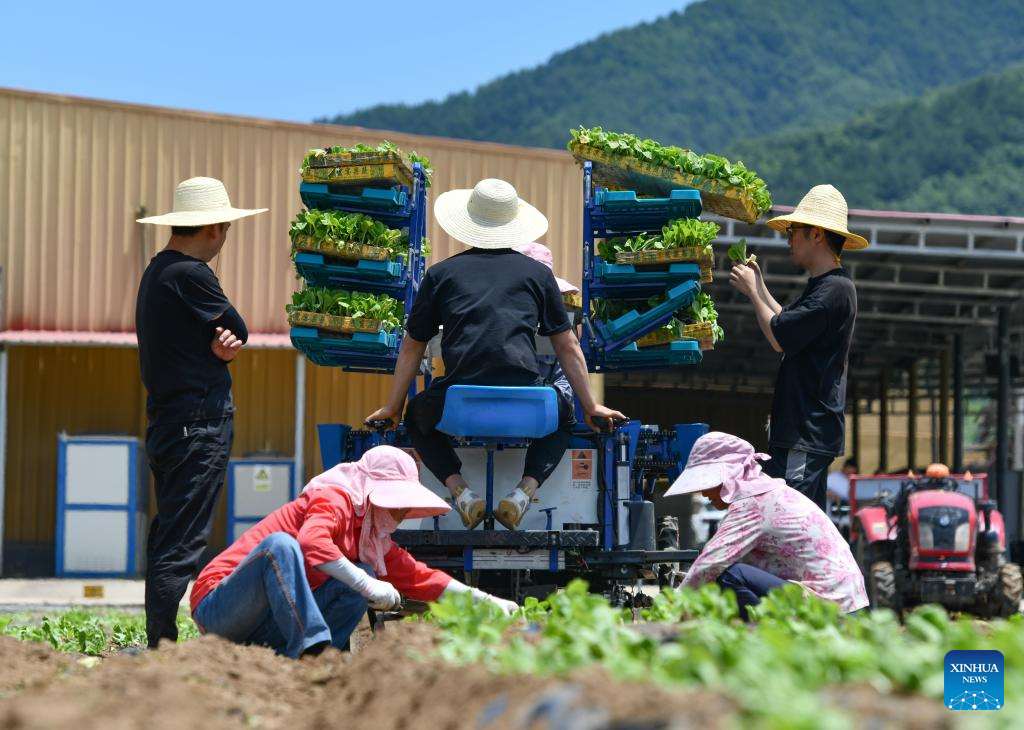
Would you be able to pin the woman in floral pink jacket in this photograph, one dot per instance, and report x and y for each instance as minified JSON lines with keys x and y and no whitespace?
{"x":771,"y":533}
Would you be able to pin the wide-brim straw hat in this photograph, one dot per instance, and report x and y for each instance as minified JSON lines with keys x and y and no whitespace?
{"x":824,"y":207}
{"x":200,"y":201}
{"x":491,"y":215}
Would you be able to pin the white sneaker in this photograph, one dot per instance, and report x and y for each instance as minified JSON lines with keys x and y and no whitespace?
{"x":470,"y":506}
{"x":512,"y":508}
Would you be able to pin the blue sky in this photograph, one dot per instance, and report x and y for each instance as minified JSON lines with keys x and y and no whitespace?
{"x":265,"y":59}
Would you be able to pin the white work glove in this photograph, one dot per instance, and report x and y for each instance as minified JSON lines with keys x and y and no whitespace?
{"x":380,"y":595}
{"x":507,"y":607}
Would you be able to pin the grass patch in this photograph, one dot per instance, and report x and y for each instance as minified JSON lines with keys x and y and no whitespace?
{"x":89,"y":631}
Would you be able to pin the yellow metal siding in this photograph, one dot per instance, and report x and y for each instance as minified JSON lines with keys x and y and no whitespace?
{"x":53,"y":389}
{"x":74,"y":173}
{"x":336,"y":397}
{"x":84,"y":390}
{"x":74,"y":176}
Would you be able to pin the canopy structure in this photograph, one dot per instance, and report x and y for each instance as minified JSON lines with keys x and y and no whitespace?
{"x":941,"y":312}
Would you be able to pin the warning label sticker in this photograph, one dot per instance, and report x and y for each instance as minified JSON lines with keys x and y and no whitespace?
{"x":582,"y":469}
{"x":261,"y":480}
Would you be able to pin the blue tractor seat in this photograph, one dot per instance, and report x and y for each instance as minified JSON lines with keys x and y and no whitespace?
{"x":489,"y":411}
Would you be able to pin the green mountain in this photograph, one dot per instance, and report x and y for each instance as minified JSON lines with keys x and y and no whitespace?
{"x":960,"y":149}
{"x":728,"y":70}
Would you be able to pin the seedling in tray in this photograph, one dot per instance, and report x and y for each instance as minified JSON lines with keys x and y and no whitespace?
{"x":343,"y":303}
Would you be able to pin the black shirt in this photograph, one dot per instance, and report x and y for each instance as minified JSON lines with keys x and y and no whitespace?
{"x":815,"y":331}
{"x":490,"y":302}
{"x":180,"y":304}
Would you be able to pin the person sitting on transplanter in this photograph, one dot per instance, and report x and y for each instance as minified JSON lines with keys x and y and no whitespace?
{"x":301,"y":579}
{"x":489,"y":302}
{"x":770,"y":535}
{"x":547,"y":365}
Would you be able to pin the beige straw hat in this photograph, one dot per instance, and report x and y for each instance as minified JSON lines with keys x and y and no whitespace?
{"x":491,"y":215}
{"x":824,"y":207}
{"x":200,"y":201}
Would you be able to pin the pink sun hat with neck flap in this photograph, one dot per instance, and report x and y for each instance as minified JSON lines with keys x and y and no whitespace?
{"x":393,"y":482}
{"x":540,"y":252}
{"x":384,"y":477}
{"x":723,"y":460}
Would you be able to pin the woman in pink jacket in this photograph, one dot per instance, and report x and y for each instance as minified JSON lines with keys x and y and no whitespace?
{"x":771,"y":534}
{"x":302,"y":578}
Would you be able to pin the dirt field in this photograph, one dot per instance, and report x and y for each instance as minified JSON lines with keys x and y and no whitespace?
{"x":390,"y":683}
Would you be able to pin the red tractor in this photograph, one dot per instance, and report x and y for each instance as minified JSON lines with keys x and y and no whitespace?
{"x":933,"y":539}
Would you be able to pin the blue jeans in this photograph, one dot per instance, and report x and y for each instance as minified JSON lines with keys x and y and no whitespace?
{"x":267,"y":601}
{"x":750,"y":584}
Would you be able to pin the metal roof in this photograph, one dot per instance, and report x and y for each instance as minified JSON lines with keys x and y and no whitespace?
{"x":268,"y":341}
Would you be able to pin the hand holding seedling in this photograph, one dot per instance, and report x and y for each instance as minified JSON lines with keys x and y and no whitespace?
{"x":225,"y":345}
{"x":743,"y":278}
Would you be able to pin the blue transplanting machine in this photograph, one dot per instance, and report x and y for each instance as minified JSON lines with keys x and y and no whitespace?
{"x":594,"y":516}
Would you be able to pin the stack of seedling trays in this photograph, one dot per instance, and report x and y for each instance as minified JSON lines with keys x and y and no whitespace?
{"x":622,"y":161}
{"x":359,"y":247}
{"x":639,"y":300}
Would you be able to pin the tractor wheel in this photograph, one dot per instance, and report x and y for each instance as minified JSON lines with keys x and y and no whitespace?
{"x":882,"y":586}
{"x":1006,"y":595}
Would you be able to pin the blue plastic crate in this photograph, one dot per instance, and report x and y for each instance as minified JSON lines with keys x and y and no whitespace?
{"x":620,"y":212}
{"x":679,"y":203}
{"x":325,"y":196}
{"x":686,"y":352}
{"x":315,"y":269}
{"x":634,"y":323}
{"x":608,"y":273}
{"x":315,"y":344}
{"x":499,"y":412}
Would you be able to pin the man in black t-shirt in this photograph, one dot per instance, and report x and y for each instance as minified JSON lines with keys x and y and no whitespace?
{"x":490,"y":301}
{"x":808,"y":421}
{"x":188,"y":332}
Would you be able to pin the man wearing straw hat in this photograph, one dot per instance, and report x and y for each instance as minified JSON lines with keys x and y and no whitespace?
{"x":491,"y":300}
{"x":188,"y":332}
{"x":807,"y":426}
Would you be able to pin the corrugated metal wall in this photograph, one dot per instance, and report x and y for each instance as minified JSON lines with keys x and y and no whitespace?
{"x":84,"y":390}
{"x":74,"y":174}
{"x":53,"y":389}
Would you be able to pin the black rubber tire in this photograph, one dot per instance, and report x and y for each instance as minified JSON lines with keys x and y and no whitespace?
{"x":1007,"y":594}
{"x":882,"y":586}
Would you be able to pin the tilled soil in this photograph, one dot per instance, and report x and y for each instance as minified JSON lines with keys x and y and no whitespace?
{"x":391,"y":682}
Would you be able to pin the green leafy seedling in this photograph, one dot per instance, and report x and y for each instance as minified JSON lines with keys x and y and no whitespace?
{"x":738,"y":253}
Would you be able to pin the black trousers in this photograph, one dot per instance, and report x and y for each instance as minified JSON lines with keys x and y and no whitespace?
{"x":805,"y":472}
{"x":750,"y":584}
{"x":435,"y":448}
{"x":189,"y":462}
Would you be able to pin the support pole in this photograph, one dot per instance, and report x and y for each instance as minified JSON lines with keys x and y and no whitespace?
{"x":3,"y":447}
{"x":883,"y":420}
{"x":855,"y":423}
{"x":1002,"y":466}
{"x":300,"y":423}
{"x":944,"y":362}
{"x":958,"y":403}
{"x":912,"y":417}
